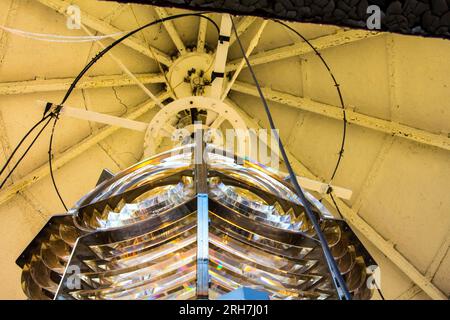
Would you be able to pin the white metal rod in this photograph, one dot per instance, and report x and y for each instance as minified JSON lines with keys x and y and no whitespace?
{"x":322,"y":188}
{"x":83,"y":114}
{"x":221,"y":56}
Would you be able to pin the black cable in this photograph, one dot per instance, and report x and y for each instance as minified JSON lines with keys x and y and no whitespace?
{"x":92,"y":62}
{"x":341,"y":99}
{"x":341,"y":152}
{"x":335,"y":272}
{"x":51,"y":165}
{"x":379,"y":292}
{"x":20,"y":143}
{"x":26,"y":151}
{"x":335,"y":204}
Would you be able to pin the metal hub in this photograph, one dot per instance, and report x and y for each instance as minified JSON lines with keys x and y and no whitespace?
{"x":168,"y":123}
{"x":190,"y":74}
{"x":189,"y":77}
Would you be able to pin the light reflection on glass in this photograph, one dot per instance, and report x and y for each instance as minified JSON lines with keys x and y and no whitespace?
{"x":137,"y":237}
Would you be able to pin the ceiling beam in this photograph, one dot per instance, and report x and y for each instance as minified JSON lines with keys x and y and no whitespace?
{"x":201,"y":37}
{"x":93,"y":116}
{"x":108,"y":150}
{"x":170,"y":28}
{"x":387,"y":248}
{"x":5,"y":36}
{"x":45,"y":85}
{"x":330,"y":41}
{"x":385,"y":126}
{"x":409,"y":294}
{"x":253,"y":43}
{"x":241,"y":27}
{"x":74,"y":151}
{"x":116,"y":12}
{"x":126,"y":70}
{"x":374,"y":170}
{"x":104,"y":27}
{"x":438,"y":258}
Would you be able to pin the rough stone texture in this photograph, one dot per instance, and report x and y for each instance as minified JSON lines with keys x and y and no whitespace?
{"x":420,"y":17}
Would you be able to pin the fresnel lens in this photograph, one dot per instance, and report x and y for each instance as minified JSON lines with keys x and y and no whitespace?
{"x":169,"y":228}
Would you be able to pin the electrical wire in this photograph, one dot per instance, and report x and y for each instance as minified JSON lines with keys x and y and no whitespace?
{"x":335,"y":204}
{"x":50,"y":145}
{"x":92,"y":62}
{"x":27,"y":150}
{"x":379,"y":292}
{"x":338,"y":280}
{"x":344,"y":115}
{"x":20,"y":143}
{"x":341,"y":99}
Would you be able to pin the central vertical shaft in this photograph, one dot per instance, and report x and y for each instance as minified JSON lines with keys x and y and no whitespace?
{"x":201,"y":183}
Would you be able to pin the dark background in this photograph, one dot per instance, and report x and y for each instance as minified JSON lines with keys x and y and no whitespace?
{"x":419,"y":17}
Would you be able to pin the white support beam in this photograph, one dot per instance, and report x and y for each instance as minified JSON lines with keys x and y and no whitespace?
{"x":83,"y":114}
{"x":106,"y":28}
{"x":387,"y":248}
{"x":242,"y":26}
{"x":300,"y":48}
{"x":221,"y":57}
{"x":253,"y":43}
{"x":170,"y":28}
{"x":73,"y":152}
{"x":87,"y":82}
{"x":322,"y":188}
{"x":201,"y":38}
{"x":385,"y":126}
